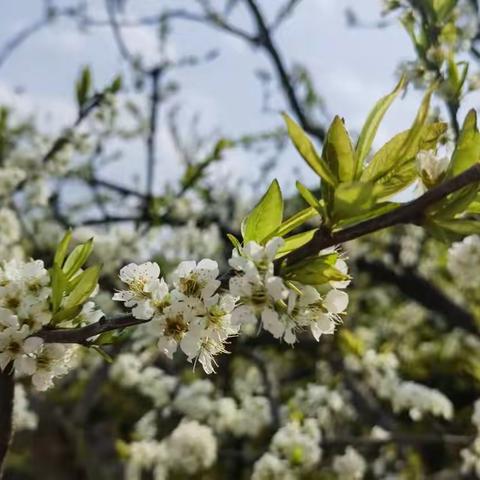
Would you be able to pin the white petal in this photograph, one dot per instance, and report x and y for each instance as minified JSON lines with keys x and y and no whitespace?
{"x":32,"y":344}
{"x":272,"y":323}
{"x":336,"y":301}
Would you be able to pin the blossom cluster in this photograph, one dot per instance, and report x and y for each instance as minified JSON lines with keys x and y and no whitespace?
{"x":190,"y":449}
{"x":381,"y":370}
{"x":246,"y":414}
{"x":294,"y":451}
{"x":195,"y":314}
{"x":24,"y":310}
{"x":461,"y":257}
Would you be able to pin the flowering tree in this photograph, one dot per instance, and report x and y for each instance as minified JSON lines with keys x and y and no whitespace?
{"x":332,"y":335}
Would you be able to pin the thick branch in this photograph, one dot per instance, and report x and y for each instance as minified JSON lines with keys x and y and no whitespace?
{"x":7,"y":390}
{"x":411,"y":212}
{"x":423,"y":292}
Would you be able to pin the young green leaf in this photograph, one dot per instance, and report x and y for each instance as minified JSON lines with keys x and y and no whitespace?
{"x":467,"y":151}
{"x":234,"y":241}
{"x":370,"y":127}
{"x":66,"y":314}
{"x":396,"y":180}
{"x":459,"y":226}
{"x":85,"y":287}
{"x":294,"y":222}
{"x":338,"y":151}
{"x":62,"y":248}
{"x":102,"y":353}
{"x":265,"y":217}
{"x":307,"y":195}
{"x":83,"y":86}
{"x":77,"y":258}
{"x":315,"y":271}
{"x":58,"y":283}
{"x":353,"y":199}
{"x":295,"y":241}
{"x":456,"y":203}
{"x":417,"y":129}
{"x":306,"y":149}
{"x":387,"y":157}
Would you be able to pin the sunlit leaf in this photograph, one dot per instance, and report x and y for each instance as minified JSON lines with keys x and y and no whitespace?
{"x":294,"y":222}
{"x":370,"y":127}
{"x":352,"y":199}
{"x":77,"y":258}
{"x":307,"y":151}
{"x":338,"y":152}
{"x":467,"y":151}
{"x":85,"y":287}
{"x":265,"y":217}
{"x":295,"y":241}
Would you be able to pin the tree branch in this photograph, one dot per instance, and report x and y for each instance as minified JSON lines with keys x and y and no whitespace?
{"x":419,"y":439}
{"x":81,"y":335}
{"x":7,"y":391}
{"x":410,"y":212}
{"x":266,"y":41}
{"x":422,"y":291}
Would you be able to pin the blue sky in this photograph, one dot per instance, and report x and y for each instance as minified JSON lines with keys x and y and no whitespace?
{"x":352,"y":68}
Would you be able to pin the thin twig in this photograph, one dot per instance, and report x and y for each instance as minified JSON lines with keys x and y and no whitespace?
{"x":81,"y":335}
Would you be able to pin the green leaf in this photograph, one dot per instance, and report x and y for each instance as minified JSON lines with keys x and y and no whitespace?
{"x":338,"y":152}
{"x":378,"y":209}
{"x":467,"y":151}
{"x":85,"y":287}
{"x":417,"y":129}
{"x":460,"y":226}
{"x":396,"y":180}
{"x":314,"y":271}
{"x":387,"y":157}
{"x":294,"y":222}
{"x":102,"y":353}
{"x":59,"y":283}
{"x":456,"y":203}
{"x":66,"y":314}
{"x":116,"y":84}
{"x":77,"y":258}
{"x":265,"y":217}
{"x":370,"y":127}
{"x":83,"y":86}
{"x":62,"y":248}
{"x":352,"y":199}
{"x":474,"y":207}
{"x":295,"y":241}
{"x":307,"y":195}
{"x":235,"y":242}
{"x":306,"y":149}
{"x":443,"y":8}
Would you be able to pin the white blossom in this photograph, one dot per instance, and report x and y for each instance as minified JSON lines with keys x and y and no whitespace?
{"x":349,"y":466}
{"x":431,"y":167}
{"x":192,"y":448}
